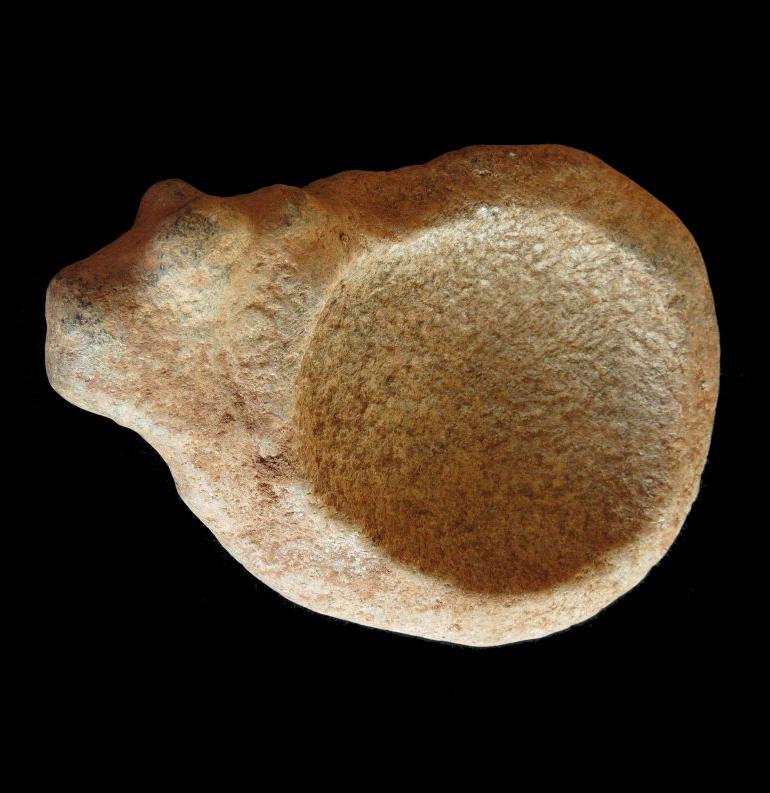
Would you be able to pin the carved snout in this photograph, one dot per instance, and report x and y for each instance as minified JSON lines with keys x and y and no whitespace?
{"x":118,"y":320}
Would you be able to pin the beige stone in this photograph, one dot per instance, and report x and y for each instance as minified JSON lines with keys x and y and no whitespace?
{"x":469,"y":400}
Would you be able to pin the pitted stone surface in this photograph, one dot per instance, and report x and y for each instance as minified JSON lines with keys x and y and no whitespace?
{"x":469,"y":400}
{"x":505,"y":455}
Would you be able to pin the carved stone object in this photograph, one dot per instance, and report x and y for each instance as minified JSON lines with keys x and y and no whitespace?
{"x":469,"y":400}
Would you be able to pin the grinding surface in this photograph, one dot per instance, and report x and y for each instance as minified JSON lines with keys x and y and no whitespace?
{"x":469,"y":400}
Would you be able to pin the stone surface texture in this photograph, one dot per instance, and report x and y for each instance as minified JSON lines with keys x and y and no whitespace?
{"x":469,"y":400}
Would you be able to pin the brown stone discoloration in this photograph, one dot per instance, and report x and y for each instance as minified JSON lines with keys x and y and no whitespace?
{"x":469,"y":400}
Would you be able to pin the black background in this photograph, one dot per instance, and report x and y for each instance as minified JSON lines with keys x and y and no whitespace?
{"x":131,"y":605}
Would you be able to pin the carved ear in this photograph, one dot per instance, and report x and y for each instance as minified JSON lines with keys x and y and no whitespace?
{"x":165,"y":197}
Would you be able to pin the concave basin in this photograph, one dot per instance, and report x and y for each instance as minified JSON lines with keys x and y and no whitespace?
{"x":492,"y":402}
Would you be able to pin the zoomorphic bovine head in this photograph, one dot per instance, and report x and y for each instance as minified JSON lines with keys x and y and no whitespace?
{"x":149,"y":330}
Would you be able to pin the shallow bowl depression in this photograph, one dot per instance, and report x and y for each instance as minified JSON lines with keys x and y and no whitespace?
{"x":489,"y":408}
